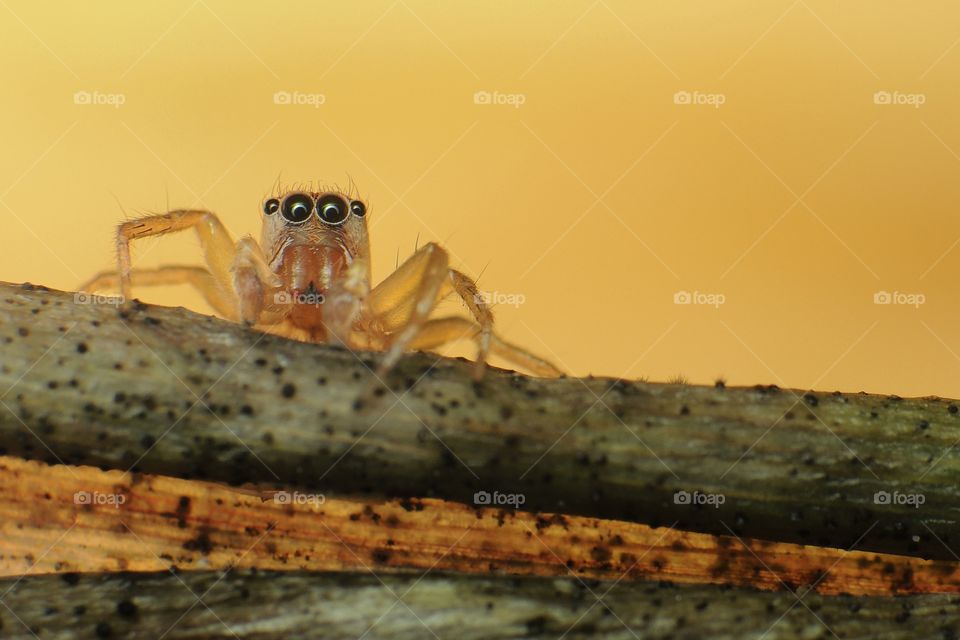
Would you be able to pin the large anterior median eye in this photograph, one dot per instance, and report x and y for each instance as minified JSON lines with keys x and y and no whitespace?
{"x":332,"y":209}
{"x":297,"y":208}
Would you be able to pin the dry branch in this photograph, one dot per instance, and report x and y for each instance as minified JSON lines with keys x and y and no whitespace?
{"x":269,"y":606}
{"x":171,"y":392}
{"x":79,"y":519}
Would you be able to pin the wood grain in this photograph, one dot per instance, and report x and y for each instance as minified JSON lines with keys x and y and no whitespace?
{"x":80,"y":519}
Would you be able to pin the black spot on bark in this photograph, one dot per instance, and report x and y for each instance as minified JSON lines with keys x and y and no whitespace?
{"x":201,"y":543}
{"x":600,"y":554}
{"x":411,"y":505}
{"x":536,"y":626}
{"x":183,"y":509}
{"x":127,"y":608}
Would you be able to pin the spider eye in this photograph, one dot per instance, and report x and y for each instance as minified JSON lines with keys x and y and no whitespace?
{"x":332,"y":209}
{"x":271,"y":206}
{"x":358,"y":208}
{"x":297,"y":208}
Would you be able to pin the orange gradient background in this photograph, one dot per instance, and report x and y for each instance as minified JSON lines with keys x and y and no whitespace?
{"x":594,"y":201}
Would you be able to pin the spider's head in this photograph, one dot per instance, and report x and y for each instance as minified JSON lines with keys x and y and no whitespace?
{"x":311,"y":239}
{"x":329,"y":221}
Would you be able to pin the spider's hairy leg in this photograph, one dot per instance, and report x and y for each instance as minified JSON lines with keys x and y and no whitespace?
{"x":253,"y":280}
{"x":440,"y":331}
{"x":468,"y":292}
{"x":419,"y":280}
{"x":393,"y":302}
{"x":198,"y":277}
{"x":343,"y":301}
{"x":217,"y":245}
{"x":520,"y":356}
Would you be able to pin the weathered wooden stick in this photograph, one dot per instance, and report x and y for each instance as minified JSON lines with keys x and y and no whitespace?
{"x":169,"y":391}
{"x":80,"y":519}
{"x":270,"y":606}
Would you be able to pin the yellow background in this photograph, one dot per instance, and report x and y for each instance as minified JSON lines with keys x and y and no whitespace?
{"x":596,"y":200}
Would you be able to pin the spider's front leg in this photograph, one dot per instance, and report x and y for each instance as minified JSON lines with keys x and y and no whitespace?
{"x":218,"y":247}
{"x":406,"y":298}
{"x":399,"y":307}
{"x":402,"y":303}
{"x":237,"y":276}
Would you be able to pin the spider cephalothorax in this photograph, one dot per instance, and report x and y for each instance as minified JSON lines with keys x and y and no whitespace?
{"x":309,"y":279}
{"x":312,"y":240}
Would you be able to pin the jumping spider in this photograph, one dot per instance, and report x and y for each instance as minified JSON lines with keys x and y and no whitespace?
{"x":309,"y":279}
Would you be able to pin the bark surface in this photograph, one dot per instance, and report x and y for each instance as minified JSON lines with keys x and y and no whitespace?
{"x":172,"y":392}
